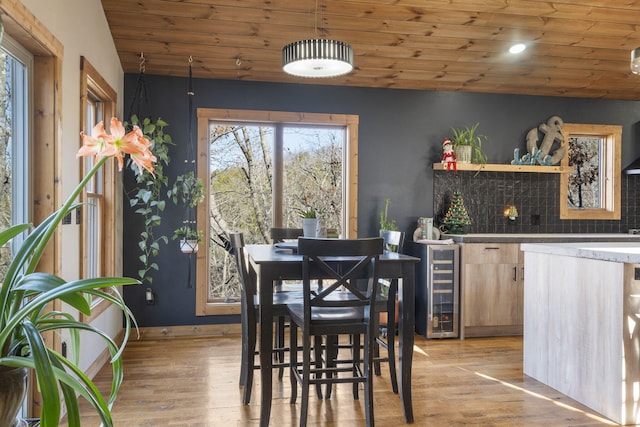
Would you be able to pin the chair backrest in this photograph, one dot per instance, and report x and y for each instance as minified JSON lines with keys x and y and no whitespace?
{"x":393,"y":240}
{"x":282,"y":234}
{"x":362,"y":257}
{"x":248,"y":286}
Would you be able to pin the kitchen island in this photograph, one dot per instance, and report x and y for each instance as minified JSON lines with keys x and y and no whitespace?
{"x":582,"y":323}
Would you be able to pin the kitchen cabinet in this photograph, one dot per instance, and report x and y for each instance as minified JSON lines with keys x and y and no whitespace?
{"x":492,"y":289}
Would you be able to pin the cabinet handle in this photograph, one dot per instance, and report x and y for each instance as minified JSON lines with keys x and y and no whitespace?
{"x":515,"y":274}
{"x":430,"y":295}
{"x":487,"y":248}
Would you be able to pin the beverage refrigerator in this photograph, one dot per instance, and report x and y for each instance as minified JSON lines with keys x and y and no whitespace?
{"x":437,"y":289}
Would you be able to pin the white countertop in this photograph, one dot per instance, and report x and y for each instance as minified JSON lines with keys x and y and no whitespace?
{"x":625,"y":252}
{"x":541,"y":237}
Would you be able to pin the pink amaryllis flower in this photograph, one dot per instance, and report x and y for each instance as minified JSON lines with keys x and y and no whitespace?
{"x":118,"y":144}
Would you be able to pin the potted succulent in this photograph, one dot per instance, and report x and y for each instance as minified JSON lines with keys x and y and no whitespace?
{"x":26,"y":294}
{"x":310,"y":222}
{"x":467,"y":145}
{"x":189,"y":238}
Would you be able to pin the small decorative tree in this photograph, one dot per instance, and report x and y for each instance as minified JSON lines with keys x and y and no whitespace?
{"x":456,"y":217}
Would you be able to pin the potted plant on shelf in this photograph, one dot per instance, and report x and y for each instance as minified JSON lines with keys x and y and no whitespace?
{"x":467,"y":145}
{"x":189,"y":238}
{"x":310,"y":222}
{"x":26,"y":295}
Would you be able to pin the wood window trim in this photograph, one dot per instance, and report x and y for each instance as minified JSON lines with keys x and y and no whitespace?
{"x":92,"y":82}
{"x":204,"y":307}
{"x":45,"y":112}
{"x":613,"y":153}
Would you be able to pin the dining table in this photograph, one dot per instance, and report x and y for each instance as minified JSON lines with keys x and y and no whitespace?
{"x":269,"y":264}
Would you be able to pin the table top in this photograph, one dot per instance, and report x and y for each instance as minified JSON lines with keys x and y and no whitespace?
{"x":265,"y":253}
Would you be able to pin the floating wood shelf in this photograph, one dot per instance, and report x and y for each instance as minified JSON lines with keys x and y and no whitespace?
{"x":506,"y":168}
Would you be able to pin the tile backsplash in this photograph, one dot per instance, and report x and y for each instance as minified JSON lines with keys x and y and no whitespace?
{"x":536,"y":196}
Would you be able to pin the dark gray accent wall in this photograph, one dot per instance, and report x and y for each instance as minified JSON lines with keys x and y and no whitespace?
{"x":400,"y":137}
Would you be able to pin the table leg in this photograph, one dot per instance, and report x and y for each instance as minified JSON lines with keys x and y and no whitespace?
{"x":266,"y":347}
{"x":406,"y":298}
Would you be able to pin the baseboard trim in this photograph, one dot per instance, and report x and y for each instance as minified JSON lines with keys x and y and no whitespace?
{"x":157,"y":332}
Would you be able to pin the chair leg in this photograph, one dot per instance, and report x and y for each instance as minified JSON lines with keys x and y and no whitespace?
{"x":376,"y":355}
{"x":368,"y":385}
{"x":331,"y":351}
{"x":293,"y":361}
{"x":280,"y":344}
{"x":356,"y":362}
{"x":317,"y":350}
{"x":391,"y":339}
{"x":244,"y":358}
{"x":306,"y":376}
{"x":251,"y":350}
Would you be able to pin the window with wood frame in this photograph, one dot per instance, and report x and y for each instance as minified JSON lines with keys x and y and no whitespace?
{"x":98,"y":248}
{"x":592,"y":190}
{"x":288,"y":153}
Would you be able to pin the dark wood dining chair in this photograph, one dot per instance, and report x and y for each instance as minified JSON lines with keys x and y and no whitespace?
{"x":341,"y":307}
{"x":279,"y":234}
{"x":386,"y":338}
{"x":249,"y":318}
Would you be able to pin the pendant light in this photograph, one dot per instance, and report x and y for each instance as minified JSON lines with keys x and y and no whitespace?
{"x":317,"y":57}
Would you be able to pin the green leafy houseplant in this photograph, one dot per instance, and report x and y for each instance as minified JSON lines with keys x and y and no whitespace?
{"x":188,"y":190}
{"x":25,"y":294}
{"x":146,"y":197}
{"x":187,"y":233}
{"x":385,"y":222}
{"x":468,"y":136}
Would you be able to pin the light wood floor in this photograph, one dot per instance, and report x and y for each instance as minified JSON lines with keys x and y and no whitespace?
{"x":475,"y":382}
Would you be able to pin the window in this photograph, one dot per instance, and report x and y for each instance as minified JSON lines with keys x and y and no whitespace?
{"x":15,"y":77}
{"x":263,"y":168}
{"x":98,"y":213}
{"x":592,"y":189}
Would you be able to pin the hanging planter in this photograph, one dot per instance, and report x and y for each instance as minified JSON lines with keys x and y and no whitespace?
{"x":189,"y":246}
{"x":189,"y":239}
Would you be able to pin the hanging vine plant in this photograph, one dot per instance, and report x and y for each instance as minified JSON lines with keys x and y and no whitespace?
{"x":147,"y":196}
{"x":187,"y":190}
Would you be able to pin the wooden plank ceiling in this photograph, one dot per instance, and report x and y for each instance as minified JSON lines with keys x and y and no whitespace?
{"x":575,"y":48}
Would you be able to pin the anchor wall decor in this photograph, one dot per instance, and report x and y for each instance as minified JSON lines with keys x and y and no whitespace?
{"x":552,"y":131}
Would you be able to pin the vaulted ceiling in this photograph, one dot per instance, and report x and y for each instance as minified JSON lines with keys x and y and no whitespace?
{"x":574,"y":48}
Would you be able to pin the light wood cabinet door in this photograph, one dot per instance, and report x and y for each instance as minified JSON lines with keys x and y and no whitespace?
{"x":492,"y":289}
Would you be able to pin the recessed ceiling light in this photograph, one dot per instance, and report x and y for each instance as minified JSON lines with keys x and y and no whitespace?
{"x":517,"y":48}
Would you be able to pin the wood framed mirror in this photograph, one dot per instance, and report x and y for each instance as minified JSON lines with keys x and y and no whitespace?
{"x":592,"y":189}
